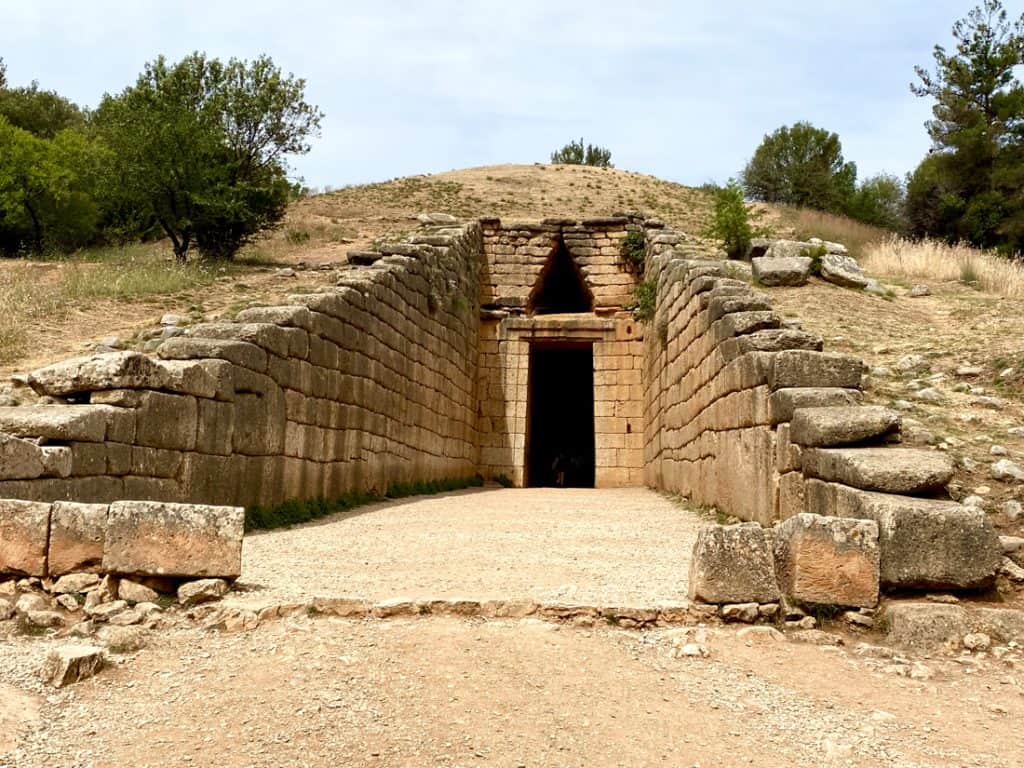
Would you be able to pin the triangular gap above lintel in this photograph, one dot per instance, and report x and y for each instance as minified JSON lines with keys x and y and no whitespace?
{"x":561,"y":286}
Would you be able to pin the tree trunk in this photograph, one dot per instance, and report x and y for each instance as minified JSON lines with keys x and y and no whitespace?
{"x":37,"y":227}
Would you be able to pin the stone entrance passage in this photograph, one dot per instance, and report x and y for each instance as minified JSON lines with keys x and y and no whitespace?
{"x":560,"y":408}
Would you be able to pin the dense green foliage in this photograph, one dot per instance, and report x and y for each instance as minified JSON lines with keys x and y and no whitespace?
{"x":645,"y":298}
{"x":195,"y":151}
{"x":969,"y":187}
{"x":878,"y":201}
{"x":574,"y":153}
{"x":732,"y":220}
{"x":801,"y":165}
{"x":299,"y":511}
{"x":634,"y":249}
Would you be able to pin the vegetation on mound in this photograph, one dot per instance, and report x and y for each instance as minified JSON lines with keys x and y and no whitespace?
{"x":298,"y":511}
{"x":733,"y":222}
{"x":574,"y":153}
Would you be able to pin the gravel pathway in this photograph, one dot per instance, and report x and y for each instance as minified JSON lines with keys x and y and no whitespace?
{"x":621,"y":547}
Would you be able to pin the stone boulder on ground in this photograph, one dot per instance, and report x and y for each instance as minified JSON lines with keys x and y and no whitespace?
{"x":782,"y":271}
{"x":828,"y":560}
{"x":843,"y":270}
{"x":733,"y":564}
{"x":71,"y":664}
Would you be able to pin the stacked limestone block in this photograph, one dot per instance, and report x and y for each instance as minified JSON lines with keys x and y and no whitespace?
{"x":367,"y":384}
{"x":753,"y":418}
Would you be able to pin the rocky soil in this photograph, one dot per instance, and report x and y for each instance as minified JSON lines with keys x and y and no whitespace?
{"x":449,"y":691}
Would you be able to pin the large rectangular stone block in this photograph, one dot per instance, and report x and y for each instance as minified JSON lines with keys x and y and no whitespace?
{"x":85,"y":423}
{"x":115,"y":370}
{"x":24,"y":532}
{"x":733,"y":564}
{"x":927,"y":544}
{"x":842,"y":425}
{"x":784,"y":402}
{"x":801,"y":368}
{"x":181,"y":540}
{"x":828,"y":560}
{"x":889,"y":470}
{"x":77,"y":533}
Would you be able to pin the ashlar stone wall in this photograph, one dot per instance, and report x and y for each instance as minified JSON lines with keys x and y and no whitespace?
{"x":361,"y":386}
{"x":517,"y":257}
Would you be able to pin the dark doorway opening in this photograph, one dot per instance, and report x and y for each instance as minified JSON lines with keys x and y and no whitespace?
{"x":560,"y":287}
{"x":560,"y":428}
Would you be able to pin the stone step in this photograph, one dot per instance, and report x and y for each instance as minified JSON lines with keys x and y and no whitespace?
{"x":839,"y":426}
{"x":783,"y":403}
{"x":924,"y":543}
{"x":889,"y":470}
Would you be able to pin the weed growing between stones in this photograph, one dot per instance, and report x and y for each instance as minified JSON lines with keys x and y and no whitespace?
{"x":815,"y":253}
{"x":504,"y":480}
{"x":634,"y":250}
{"x":644,"y":301}
{"x":296,"y":511}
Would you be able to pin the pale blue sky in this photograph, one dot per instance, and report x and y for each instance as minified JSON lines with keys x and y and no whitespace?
{"x":681,"y":90}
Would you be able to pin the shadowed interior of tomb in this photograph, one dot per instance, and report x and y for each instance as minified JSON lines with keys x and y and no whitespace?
{"x":561,"y":287}
{"x":560,"y":434}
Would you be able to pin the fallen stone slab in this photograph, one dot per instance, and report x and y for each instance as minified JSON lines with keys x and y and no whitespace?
{"x":24,"y":533}
{"x":843,"y":270}
{"x":77,"y":535}
{"x":828,"y":560}
{"x":839,"y":426}
{"x":71,"y":664}
{"x":20,"y":459}
{"x":181,"y":540}
{"x":783,"y":403}
{"x":115,"y":370}
{"x":781,"y":271}
{"x":786,"y":249}
{"x":890,"y":470}
{"x":925,"y":626}
{"x":202,"y":591}
{"x":733,"y":564}
{"x":926,"y":543}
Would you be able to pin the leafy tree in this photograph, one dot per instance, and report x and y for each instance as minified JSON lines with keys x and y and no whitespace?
{"x":41,"y":113}
{"x":732,"y":220}
{"x":3,"y":74}
{"x":977,"y":132}
{"x":803,"y":166}
{"x":45,"y":189}
{"x":199,"y":149}
{"x":879,"y":201}
{"x":574,"y":153}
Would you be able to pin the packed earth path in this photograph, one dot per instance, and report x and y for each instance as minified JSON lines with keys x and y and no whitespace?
{"x":432,"y":690}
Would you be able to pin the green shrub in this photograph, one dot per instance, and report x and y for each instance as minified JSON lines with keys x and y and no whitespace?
{"x":504,"y":480}
{"x":574,"y":153}
{"x":815,"y":253}
{"x":296,"y":236}
{"x":634,"y":249}
{"x":732,"y":221}
{"x":645,"y":297}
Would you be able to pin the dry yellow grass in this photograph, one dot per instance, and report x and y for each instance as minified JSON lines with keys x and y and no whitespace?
{"x":934,"y":260}
{"x":806,"y":223}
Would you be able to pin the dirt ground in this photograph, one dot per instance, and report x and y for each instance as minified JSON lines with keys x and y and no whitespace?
{"x":610,"y":547}
{"x":452,"y":692}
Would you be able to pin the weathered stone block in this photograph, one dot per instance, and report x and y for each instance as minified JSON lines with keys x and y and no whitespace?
{"x":732,"y":564}
{"x":827,"y":560}
{"x":839,"y":425}
{"x":55,"y":422}
{"x":71,"y":664}
{"x":115,"y":370}
{"x":783,"y":403}
{"x":167,"y":421}
{"x":182,"y":540}
{"x":925,"y":626}
{"x":890,"y":470}
{"x":927,"y":543}
{"x":19,"y":459}
{"x":238,"y":352}
{"x":24,"y":531}
{"x":800,"y":368}
{"x":77,"y":533}
{"x":786,"y":270}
